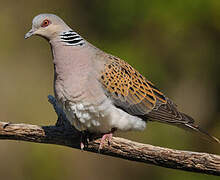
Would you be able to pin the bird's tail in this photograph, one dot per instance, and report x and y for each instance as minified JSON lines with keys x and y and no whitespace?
{"x":168,"y":113}
{"x":197,"y":130}
{"x":183,"y":121}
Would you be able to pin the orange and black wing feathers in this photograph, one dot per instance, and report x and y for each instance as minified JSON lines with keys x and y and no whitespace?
{"x":133,"y":93}
{"x":128,"y":89}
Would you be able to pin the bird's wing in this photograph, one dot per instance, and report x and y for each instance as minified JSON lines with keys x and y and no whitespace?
{"x":133,"y":93}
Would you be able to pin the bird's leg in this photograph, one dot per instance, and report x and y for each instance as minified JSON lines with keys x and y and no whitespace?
{"x":107,"y":136}
{"x":84,"y":139}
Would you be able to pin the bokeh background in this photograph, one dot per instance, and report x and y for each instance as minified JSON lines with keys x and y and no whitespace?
{"x":173,"y":43}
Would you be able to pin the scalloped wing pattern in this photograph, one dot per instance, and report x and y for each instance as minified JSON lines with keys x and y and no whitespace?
{"x":129,"y":88}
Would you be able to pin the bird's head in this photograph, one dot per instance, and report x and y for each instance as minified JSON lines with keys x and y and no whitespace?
{"x":47,"y":26}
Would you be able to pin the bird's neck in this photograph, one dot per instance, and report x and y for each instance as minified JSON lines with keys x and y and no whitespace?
{"x":69,"y":38}
{"x":69,"y":56}
{"x":66,"y":48}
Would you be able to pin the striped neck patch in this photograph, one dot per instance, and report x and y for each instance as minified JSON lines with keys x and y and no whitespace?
{"x":71,"y":38}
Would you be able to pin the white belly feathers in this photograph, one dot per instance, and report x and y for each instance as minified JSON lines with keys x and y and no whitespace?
{"x":101,"y":118}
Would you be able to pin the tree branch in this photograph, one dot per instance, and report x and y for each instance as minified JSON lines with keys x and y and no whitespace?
{"x":122,"y":148}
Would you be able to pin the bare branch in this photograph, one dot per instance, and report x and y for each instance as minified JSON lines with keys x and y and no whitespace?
{"x":122,"y":148}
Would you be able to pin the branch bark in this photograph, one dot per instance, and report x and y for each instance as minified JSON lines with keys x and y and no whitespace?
{"x":119,"y":147}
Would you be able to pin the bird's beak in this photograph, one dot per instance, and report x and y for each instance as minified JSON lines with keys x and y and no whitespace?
{"x":29,"y":34}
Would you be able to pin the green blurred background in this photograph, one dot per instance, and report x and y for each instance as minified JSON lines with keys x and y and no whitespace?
{"x":173,"y":43}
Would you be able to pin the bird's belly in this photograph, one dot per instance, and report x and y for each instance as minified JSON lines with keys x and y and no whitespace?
{"x":84,"y":116}
{"x":101,"y":118}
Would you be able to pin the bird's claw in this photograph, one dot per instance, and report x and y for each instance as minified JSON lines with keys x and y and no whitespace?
{"x":105,"y":137}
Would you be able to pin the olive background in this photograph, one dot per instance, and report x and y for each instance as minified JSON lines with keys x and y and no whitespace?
{"x":174,"y":43}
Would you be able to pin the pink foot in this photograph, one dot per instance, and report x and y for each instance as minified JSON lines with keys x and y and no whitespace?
{"x":104,"y":138}
{"x":82,"y":145}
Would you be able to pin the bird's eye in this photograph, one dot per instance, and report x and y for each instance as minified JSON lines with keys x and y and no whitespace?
{"x":45,"y":23}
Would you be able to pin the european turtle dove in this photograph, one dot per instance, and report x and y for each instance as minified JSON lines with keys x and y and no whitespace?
{"x":99,"y":92}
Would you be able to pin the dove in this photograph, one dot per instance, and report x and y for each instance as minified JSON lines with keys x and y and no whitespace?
{"x":101,"y":93}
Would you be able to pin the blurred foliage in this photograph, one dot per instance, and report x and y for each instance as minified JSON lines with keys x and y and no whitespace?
{"x":173,"y":43}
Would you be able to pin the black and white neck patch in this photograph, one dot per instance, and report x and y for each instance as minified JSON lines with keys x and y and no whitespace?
{"x":71,"y":38}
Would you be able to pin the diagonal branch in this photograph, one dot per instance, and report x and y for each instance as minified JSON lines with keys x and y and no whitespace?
{"x":122,"y":148}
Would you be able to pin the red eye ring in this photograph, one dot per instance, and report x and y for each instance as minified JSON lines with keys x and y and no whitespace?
{"x":45,"y":23}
